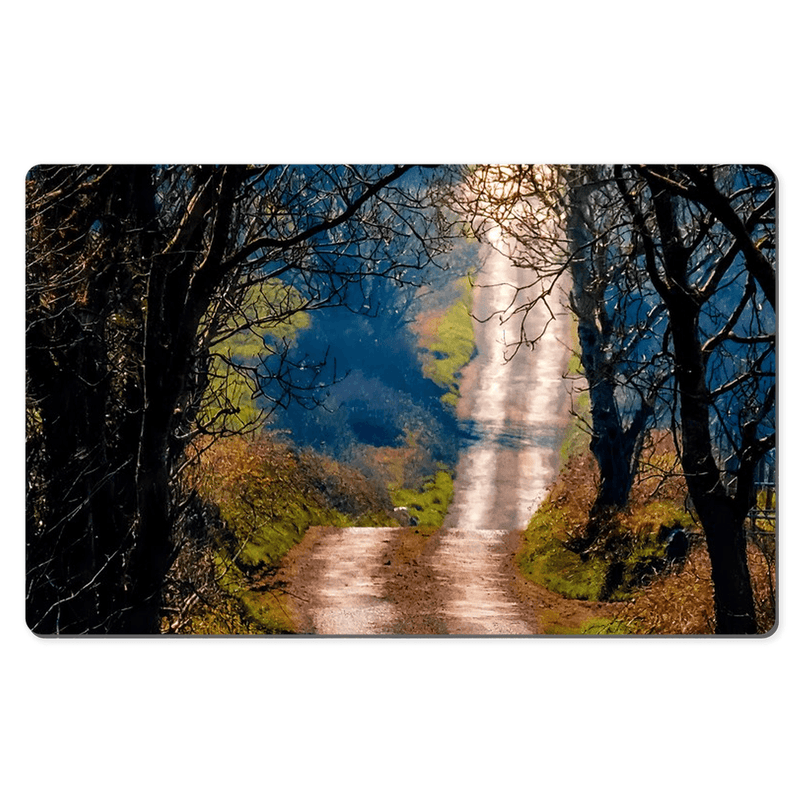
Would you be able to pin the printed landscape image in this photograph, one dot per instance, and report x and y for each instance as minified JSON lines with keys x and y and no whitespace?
{"x":401,"y":400}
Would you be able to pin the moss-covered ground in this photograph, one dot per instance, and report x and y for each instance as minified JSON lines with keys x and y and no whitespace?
{"x":447,"y":339}
{"x":628,"y":568}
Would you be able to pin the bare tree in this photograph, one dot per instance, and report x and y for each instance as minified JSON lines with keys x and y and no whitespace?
{"x":708,"y":239}
{"x":562,"y":225}
{"x":135,"y":278}
{"x":621,"y":326}
{"x":673,"y":284}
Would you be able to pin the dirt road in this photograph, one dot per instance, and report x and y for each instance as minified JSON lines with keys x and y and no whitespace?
{"x":366,"y":581}
{"x":514,"y":403}
{"x":461,"y":579}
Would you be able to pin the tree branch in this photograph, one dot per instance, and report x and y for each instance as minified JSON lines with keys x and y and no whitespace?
{"x":283,"y":244}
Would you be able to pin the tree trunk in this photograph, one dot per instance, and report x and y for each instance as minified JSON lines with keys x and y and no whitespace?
{"x":727,"y":548}
{"x":722,"y":523}
{"x":616,"y":448}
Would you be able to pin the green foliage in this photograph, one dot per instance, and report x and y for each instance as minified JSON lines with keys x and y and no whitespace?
{"x":644,"y":518}
{"x":268,"y":316}
{"x":627,"y":554}
{"x":269,"y":310}
{"x":596,"y":626}
{"x":256,"y":610}
{"x":229,"y":402}
{"x":546,"y":560}
{"x":449,"y":343}
{"x":429,"y":505}
{"x":240,"y":611}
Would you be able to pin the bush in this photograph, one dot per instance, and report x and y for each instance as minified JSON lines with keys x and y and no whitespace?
{"x":254,"y":499}
{"x":429,"y":505}
{"x":626,"y":555}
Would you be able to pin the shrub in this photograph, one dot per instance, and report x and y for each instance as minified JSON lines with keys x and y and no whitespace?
{"x":257,"y":498}
{"x":429,"y":505}
{"x":627,"y":554}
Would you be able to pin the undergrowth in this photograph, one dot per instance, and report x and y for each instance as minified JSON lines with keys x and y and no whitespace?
{"x":428,"y":506}
{"x":631,"y":551}
{"x":448,"y":341}
{"x":630,"y":565}
{"x":260,"y":497}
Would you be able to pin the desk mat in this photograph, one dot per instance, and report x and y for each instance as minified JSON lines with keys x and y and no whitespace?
{"x":401,"y":400}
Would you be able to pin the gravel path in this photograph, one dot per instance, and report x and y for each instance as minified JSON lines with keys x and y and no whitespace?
{"x":349,"y":597}
{"x":367,"y":581}
{"x":473,"y":565}
{"x":514,"y":406}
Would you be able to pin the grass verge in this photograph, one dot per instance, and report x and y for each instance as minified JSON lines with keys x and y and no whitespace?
{"x":447,"y":339}
{"x":630,"y":554}
{"x":647,"y":592}
{"x":429,"y":505}
{"x":256,"y":499}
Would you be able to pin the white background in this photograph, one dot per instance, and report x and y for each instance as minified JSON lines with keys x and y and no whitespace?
{"x":455,"y":82}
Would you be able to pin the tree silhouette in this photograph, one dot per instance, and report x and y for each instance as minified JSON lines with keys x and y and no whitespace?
{"x":672,"y":275}
{"x":708,"y":239}
{"x":136,"y":276}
